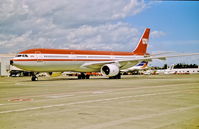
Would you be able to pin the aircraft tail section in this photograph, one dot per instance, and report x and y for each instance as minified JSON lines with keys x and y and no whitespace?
{"x":142,"y":64}
{"x":141,"y":47}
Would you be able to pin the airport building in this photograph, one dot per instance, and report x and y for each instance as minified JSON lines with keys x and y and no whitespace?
{"x":5,"y":66}
{"x":172,"y":70}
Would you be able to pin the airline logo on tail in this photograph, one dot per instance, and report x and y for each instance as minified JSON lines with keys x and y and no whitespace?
{"x":142,"y":64}
{"x":141,"y":48}
{"x":145,"y":41}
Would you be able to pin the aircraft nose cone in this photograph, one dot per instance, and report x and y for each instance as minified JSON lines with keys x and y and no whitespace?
{"x":11,"y":62}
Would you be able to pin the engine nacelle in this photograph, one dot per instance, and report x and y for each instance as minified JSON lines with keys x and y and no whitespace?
{"x":110,"y":70}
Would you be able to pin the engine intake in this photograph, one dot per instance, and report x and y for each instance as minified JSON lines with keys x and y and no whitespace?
{"x":110,"y":70}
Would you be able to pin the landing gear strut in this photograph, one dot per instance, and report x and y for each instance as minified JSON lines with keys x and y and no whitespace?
{"x":83,"y":76}
{"x":118,"y":76}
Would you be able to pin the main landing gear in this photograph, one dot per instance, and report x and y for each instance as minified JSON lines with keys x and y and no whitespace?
{"x":83,"y":76}
{"x":116,"y":77}
{"x":34,"y":77}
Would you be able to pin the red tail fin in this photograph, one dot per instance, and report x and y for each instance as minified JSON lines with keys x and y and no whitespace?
{"x":142,"y":45}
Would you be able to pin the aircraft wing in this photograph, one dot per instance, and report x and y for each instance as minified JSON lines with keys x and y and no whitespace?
{"x":97,"y":65}
{"x":161,"y":53}
{"x":120,"y":63}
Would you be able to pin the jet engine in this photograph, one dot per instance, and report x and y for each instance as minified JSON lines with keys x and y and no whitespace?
{"x":110,"y":70}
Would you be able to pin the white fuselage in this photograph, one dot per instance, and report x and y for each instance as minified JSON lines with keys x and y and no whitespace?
{"x":66,"y":62}
{"x":182,"y":71}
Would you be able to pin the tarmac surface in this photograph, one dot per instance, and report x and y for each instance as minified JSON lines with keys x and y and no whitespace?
{"x":133,"y":102}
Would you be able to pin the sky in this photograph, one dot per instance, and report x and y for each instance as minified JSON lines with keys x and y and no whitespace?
{"x":114,"y":25}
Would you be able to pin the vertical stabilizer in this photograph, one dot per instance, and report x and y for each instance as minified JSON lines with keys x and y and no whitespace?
{"x":141,"y":47}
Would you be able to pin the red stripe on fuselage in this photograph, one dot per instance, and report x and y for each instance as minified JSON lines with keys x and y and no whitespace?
{"x":80,"y":52}
{"x":62,"y":60}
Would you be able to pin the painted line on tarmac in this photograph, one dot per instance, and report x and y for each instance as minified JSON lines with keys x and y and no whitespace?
{"x":58,"y":96}
{"x":100,"y":92}
{"x":141,"y":117}
{"x":109,"y":90}
{"x":6,"y":82}
{"x":85,"y":102}
{"x":129,"y":101}
{"x":49,"y":98}
{"x":151,"y":87}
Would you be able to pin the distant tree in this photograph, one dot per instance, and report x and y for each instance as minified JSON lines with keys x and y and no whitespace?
{"x":180,"y":65}
{"x":165,"y":66}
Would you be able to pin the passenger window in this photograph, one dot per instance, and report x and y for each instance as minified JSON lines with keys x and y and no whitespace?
{"x":18,"y":56}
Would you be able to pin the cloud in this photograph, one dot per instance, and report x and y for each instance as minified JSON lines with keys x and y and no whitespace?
{"x":17,"y":43}
{"x":118,"y":36}
{"x":75,"y":12}
{"x":67,"y":13}
{"x":105,"y":37}
{"x":157,"y":34}
{"x":10,"y":9}
{"x":88,"y":24}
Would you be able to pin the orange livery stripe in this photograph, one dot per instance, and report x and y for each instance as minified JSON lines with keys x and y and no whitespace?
{"x":62,"y":60}
{"x":80,"y":52}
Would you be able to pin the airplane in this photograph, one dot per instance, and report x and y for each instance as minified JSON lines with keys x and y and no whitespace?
{"x":109,"y":63}
{"x":140,"y":66}
{"x":172,"y":70}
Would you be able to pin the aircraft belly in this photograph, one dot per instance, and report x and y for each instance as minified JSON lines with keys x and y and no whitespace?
{"x":54,"y":66}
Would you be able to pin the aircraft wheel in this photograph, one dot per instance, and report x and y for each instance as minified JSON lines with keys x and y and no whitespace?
{"x":79,"y":77}
{"x":34,"y":78}
{"x":116,"y":77}
{"x":83,"y":76}
{"x":87,"y":76}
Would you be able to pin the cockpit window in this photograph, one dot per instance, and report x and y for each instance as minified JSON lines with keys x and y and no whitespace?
{"x":18,"y":55}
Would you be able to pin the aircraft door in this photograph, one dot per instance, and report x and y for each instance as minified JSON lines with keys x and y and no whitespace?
{"x":39,"y":56}
{"x":73,"y":57}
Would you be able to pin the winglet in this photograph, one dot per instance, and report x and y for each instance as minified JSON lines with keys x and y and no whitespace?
{"x":143,"y":43}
